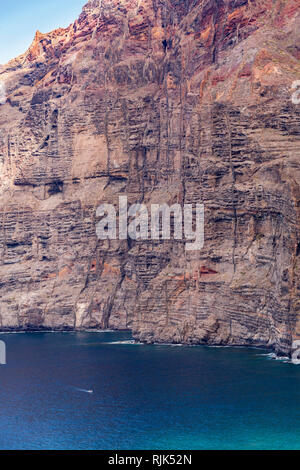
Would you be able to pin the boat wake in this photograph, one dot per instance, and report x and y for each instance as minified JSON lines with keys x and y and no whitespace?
{"x":74,"y":388}
{"x":83,"y":390}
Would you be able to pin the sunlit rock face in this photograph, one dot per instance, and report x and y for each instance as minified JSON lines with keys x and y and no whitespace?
{"x":163,"y":101}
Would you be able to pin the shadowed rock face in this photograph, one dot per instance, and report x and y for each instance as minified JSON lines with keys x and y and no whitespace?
{"x":164,"y":101}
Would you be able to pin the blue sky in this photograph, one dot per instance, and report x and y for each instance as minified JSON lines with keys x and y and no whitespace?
{"x":19,"y":20}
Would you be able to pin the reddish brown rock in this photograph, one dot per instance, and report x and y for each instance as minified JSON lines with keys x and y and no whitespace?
{"x":183,"y":101}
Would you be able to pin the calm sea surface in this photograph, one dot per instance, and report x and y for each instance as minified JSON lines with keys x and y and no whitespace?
{"x":144,"y":397}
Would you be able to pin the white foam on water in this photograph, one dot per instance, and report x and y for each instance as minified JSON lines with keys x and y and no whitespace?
{"x":273,"y":356}
{"x":131,"y":341}
{"x":12,"y":332}
{"x":98,"y":331}
{"x":84,"y":390}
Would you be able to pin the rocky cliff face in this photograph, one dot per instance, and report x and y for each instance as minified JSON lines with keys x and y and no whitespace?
{"x":176,"y":101}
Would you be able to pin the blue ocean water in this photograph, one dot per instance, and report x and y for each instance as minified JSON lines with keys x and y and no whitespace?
{"x":144,"y":397}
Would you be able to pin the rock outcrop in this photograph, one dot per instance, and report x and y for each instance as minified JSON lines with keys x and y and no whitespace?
{"x":176,"y":101}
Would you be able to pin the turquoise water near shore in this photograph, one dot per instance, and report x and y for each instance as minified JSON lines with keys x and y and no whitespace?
{"x":98,"y":391}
